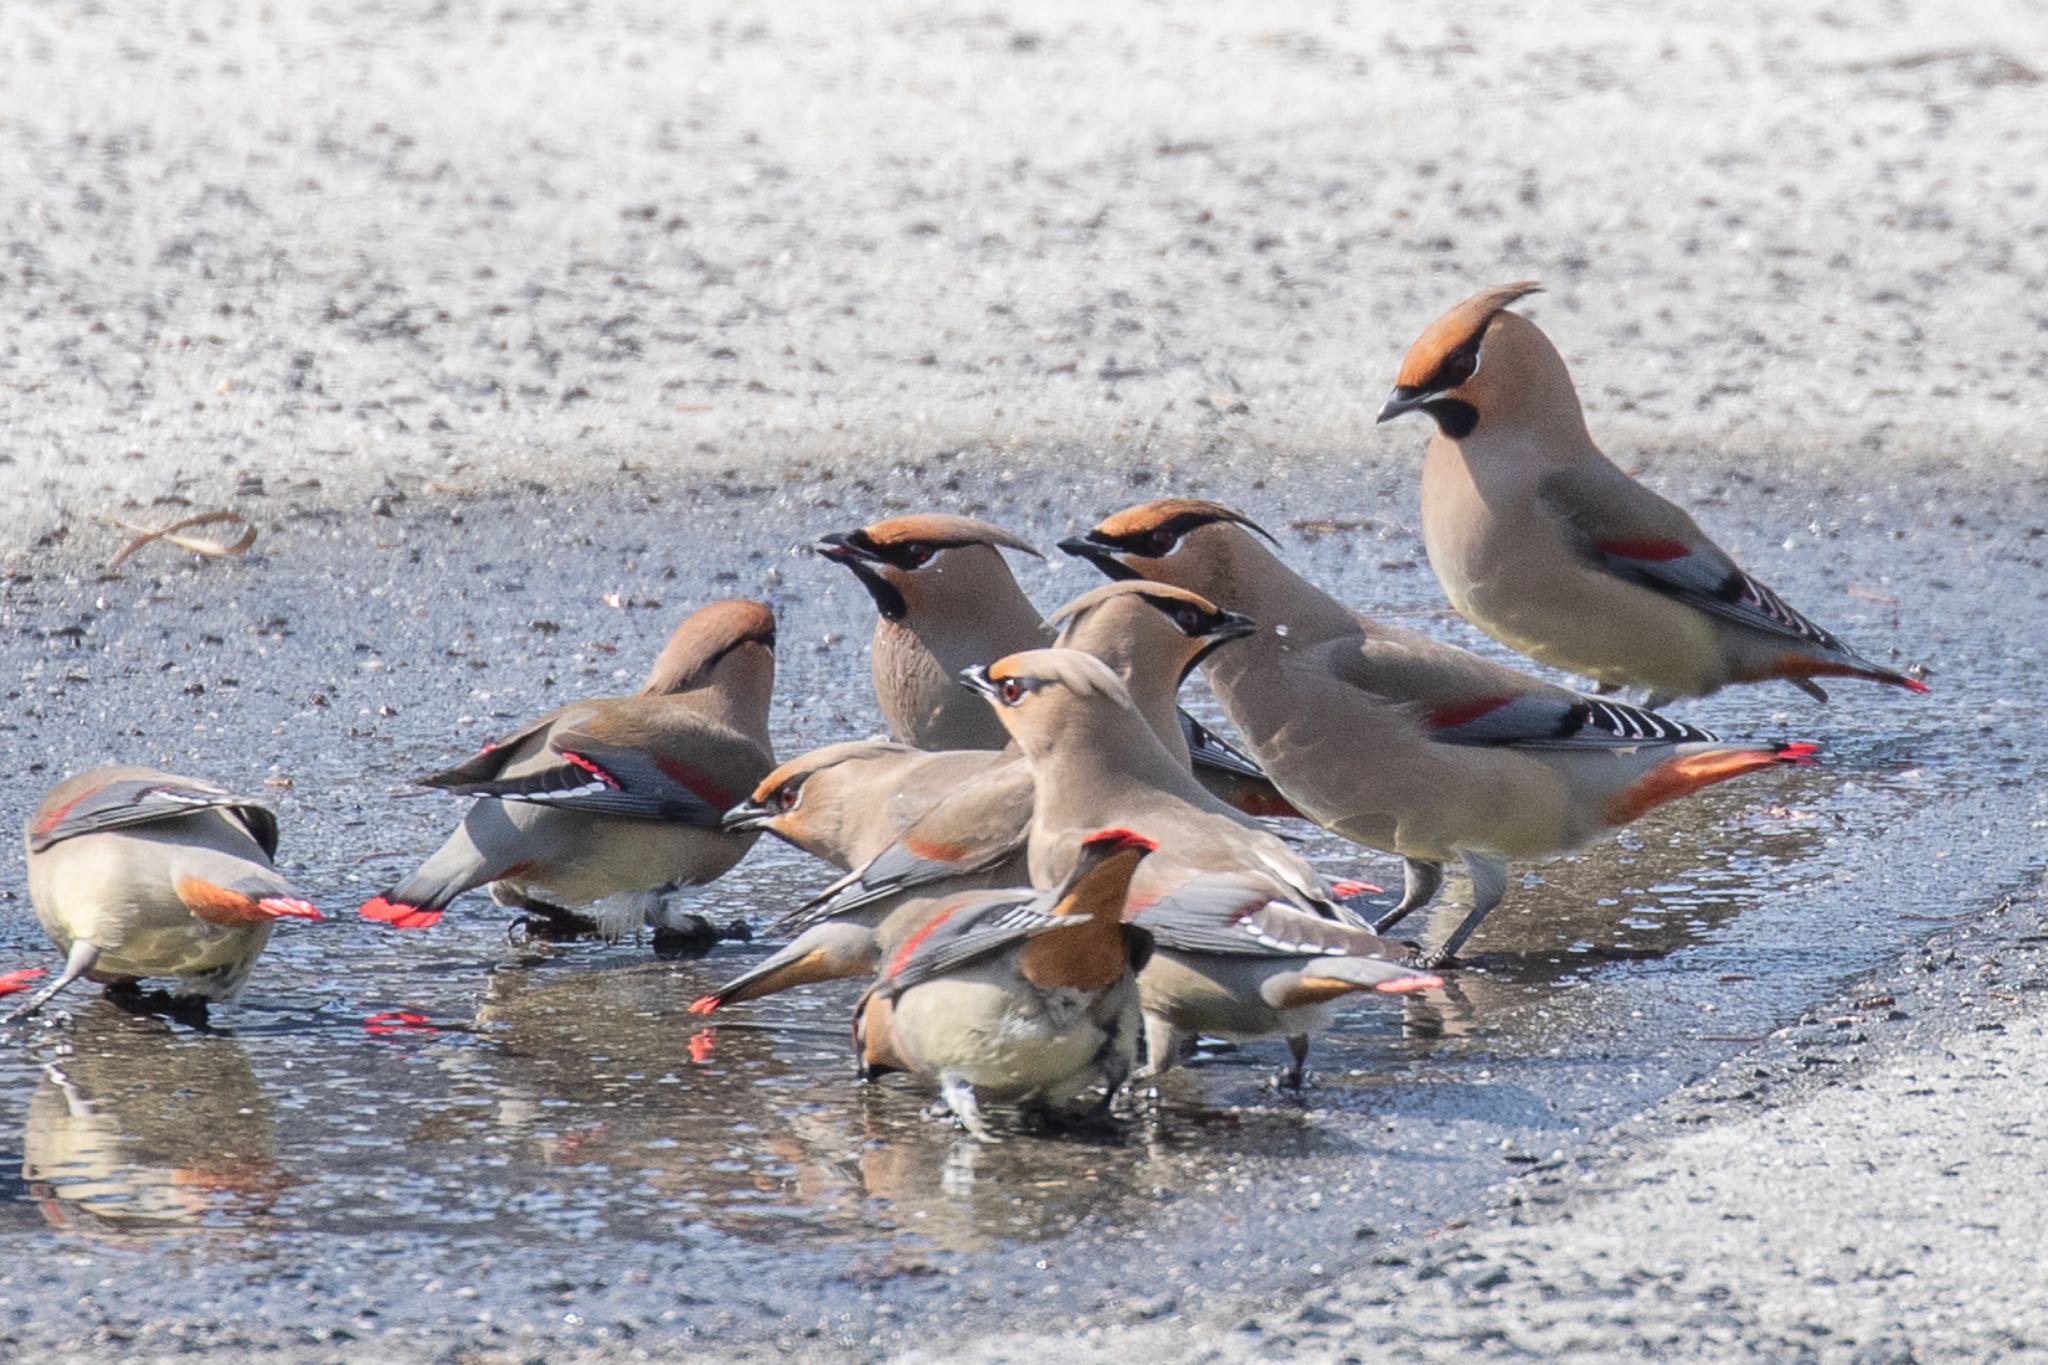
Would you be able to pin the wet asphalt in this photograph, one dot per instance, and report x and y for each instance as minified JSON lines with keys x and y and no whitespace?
{"x":548,"y":1149}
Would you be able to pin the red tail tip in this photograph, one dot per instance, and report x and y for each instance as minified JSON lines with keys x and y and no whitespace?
{"x":284,"y":907}
{"x":1913,"y":684}
{"x":18,"y":981}
{"x":398,"y":914}
{"x":1797,"y":751}
{"x":704,"y":1004}
{"x":1119,"y":838}
{"x":1402,"y":985}
{"x":1345,"y":890}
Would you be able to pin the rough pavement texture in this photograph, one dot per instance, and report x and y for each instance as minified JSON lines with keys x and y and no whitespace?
{"x":461,"y":242}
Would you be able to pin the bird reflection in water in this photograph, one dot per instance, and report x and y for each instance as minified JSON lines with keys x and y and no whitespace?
{"x":133,"y":1134}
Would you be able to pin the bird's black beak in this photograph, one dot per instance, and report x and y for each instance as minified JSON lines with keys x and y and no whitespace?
{"x":1402,"y":401}
{"x":746,"y":815}
{"x":1233,"y":625}
{"x":975,"y":678}
{"x":1101,"y":554}
{"x":840,"y":548}
{"x":1229,"y":626}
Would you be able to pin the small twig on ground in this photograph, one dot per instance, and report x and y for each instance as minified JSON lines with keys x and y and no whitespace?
{"x":199,"y":545}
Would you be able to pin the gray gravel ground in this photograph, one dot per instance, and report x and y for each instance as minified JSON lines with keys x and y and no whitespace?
{"x":458,"y":242}
{"x":514,"y":269}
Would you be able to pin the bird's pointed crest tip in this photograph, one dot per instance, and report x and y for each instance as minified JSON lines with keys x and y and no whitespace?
{"x":941,"y":529}
{"x":1176,"y":514}
{"x":1455,"y":327}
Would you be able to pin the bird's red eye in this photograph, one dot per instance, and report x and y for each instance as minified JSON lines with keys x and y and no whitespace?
{"x":917,"y":556}
{"x":785,"y":796}
{"x":1159,"y":544}
{"x":1189,"y":620}
{"x":1011,"y":692}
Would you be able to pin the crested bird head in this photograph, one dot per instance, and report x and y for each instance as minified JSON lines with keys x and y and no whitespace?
{"x":929,"y":561}
{"x":1048,"y":696}
{"x":1101,"y":877}
{"x":1481,"y":363}
{"x":808,"y":789}
{"x":1185,"y":542}
{"x":1131,"y":623}
{"x":728,"y":644}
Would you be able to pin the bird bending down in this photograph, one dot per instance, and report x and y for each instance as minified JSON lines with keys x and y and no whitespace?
{"x":1245,"y":941}
{"x":614,"y":794}
{"x":1545,"y":544}
{"x":1016,"y":995}
{"x":136,"y":873}
{"x":1401,"y":742}
{"x":846,"y":802}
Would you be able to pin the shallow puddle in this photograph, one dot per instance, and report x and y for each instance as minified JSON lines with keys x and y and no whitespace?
{"x":391,"y":1122}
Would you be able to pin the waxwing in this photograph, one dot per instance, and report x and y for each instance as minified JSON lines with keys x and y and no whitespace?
{"x":137,"y":874}
{"x":1545,"y":544}
{"x":1014,"y":995}
{"x":974,"y":837}
{"x":847,"y":802}
{"x":616,"y":794}
{"x":944,"y":599}
{"x":1401,"y":742}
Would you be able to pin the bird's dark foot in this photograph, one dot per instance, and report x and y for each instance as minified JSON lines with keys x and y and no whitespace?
{"x":546,"y":924}
{"x":1092,"y":1121}
{"x":1292,"y":1079}
{"x":686,"y":935}
{"x":130,"y":998}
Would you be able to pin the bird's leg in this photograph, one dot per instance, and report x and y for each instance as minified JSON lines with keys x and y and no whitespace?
{"x":1489,"y":885}
{"x":959,"y":1098}
{"x":1111,"y":1066}
{"x":77,"y":964}
{"x":1162,"y":1048}
{"x":1419,"y":881}
{"x":1039,"y":1114}
{"x":541,"y":919}
{"x":1290,"y":1077}
{"x":1035,"y":1115}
